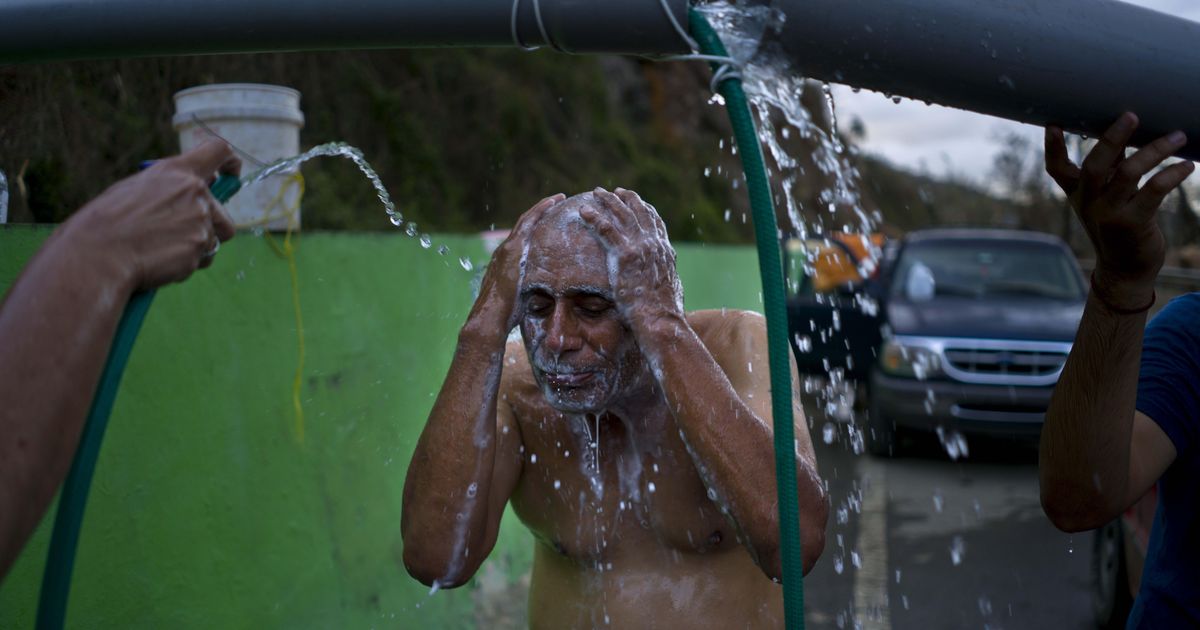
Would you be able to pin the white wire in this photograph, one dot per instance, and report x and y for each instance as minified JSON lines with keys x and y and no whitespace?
{"x":513,"y":25}
{"x":541,"y":24}
{"x":728,"y":67}
{"x":537,"y":14}
{"x":692,"y":45}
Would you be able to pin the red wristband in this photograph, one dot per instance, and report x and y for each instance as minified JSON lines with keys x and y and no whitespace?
{"x":1118,"y":310}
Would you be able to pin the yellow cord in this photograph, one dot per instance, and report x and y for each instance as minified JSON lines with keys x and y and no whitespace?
{"x":291,"y":212}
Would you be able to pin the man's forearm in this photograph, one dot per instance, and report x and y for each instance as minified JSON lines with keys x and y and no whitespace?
{"x":1085,"y":443}
{"x":449,"y":481}
{"x":731,"y":446}
{"x":56,"y":326}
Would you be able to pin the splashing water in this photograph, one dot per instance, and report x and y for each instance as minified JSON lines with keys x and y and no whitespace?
{"x":343,"y":150}
{"x":958,"y":550}
{"x":797,"y":123}
{"x":777,"y":95}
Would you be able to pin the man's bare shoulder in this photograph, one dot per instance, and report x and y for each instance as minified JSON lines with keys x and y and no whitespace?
{"x":727,"y":332}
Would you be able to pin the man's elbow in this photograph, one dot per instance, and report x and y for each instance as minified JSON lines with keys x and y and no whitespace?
{"x":430,"y":570}
{"x":814,"y":546}
{"x":1070,"y":514}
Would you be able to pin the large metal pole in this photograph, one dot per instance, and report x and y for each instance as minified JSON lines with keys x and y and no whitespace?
{"x":44,"y":30}
{"x":1073,"y":63}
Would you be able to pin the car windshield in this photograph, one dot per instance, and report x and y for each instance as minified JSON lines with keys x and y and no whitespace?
{"x":986,"y":268}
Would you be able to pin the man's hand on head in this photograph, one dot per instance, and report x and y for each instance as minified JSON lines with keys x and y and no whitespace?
{"x":498,"y":292}
{"x":641,"y":261}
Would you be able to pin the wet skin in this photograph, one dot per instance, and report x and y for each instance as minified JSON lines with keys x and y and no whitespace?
{"x":629,"y":437}
{"x":58,"y":319}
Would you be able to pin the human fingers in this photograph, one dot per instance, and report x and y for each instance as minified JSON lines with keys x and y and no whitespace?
{"x":531,"y":216}
{"x":1130,"y":172}
{"x":223,"y":225}
{"x":211,"y":157}
{"x":603,"y":225}
{"x":210,"y":252}
{"x":622,"y":216}
{"x":1058,"y":164}
{"x":1146,"y":202}
{"x":1108,"y":152}
{"x":641,"y":206}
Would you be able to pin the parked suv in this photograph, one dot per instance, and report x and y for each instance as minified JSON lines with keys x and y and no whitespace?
{"x":952,"y":330}
{"x":978,"y":325}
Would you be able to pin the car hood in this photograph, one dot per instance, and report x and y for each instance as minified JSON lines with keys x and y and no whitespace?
{"x":1029,"y":319}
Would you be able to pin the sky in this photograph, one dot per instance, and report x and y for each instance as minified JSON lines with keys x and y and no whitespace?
{"x":943,"y":141}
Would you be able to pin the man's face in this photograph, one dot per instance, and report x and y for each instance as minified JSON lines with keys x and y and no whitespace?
{"x":581,"y":353}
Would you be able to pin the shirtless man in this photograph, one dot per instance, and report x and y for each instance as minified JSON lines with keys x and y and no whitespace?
{"x":634,"y":440}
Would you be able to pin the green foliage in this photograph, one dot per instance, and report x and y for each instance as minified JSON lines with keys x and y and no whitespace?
{"x":464,"y":139}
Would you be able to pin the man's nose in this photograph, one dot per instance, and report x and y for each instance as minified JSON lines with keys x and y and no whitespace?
{"x":562,"y":332}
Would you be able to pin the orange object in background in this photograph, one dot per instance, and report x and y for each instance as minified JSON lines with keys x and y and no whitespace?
{"x":840,"y":263}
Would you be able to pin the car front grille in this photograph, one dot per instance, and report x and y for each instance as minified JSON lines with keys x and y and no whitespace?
{"x":1015,"y":362}
{"x":1004,"y":362}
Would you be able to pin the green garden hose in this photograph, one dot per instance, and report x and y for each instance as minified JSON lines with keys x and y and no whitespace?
{"x":770,"y":264}
{"x":56,"y":580}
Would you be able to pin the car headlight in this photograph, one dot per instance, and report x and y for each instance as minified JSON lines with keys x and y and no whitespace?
{"x":910,"y":360}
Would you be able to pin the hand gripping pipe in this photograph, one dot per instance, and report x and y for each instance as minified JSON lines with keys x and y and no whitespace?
{"x":1077,"y":64}
{"x":44,"y":30}
{"x":60,"y":562}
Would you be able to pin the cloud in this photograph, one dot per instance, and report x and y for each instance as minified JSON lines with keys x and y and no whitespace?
{"x":946,"y":140}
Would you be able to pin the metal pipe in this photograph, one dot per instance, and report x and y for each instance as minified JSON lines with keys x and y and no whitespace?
{"x":1077,"y":64}
{"x":46,"y":30}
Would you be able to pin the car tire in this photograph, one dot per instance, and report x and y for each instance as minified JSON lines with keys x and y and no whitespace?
{"x":1111,"y":599}
{"x":881,"y":435}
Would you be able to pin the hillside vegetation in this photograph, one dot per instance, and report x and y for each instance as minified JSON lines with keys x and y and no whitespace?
{"x":464,"y":139}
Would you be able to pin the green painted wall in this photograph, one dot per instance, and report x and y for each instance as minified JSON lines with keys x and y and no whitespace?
{"x":208,"y":512}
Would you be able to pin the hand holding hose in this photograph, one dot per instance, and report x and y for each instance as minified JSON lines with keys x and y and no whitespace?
{"x":1117,"y":214}
{"x":160,"y":225}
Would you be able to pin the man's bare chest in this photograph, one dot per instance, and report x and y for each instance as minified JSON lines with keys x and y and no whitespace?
{"x":598,"y":489}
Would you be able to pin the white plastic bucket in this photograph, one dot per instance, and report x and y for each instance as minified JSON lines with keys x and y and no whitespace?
{"x":264,"y":122}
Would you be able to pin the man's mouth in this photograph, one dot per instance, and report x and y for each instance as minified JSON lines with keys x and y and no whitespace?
{"x":567,"y":379}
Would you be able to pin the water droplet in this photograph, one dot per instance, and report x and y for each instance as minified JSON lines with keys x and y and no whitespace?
{"x":466,"y":263}
{"x":533,"y":458}
{"x":443,"y":250}
{"x":411,"y":229}
{"x":558,"y":484}
{"x":426,"y":241}
{"x":937,"y":500}
{"x":828,"y":432}
{"x":396,"y":219}
{"x":650,"y":486}
{"x":839,"y":565}
{"x":958,"y":550}
{"x":472,"y":490}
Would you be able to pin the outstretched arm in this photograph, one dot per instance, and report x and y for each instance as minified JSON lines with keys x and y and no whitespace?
{"x":1098,"y":455}
{"x":466,"y":463}
{"x":59,"y":317}
{"x":723,"y":410}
